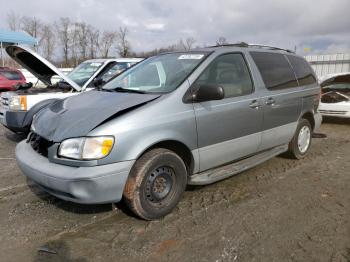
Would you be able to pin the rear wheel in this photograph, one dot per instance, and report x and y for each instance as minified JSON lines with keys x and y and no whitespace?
{"x":301,"y":141}
{"x":155,"y":184}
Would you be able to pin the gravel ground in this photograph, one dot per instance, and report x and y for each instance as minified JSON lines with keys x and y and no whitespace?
{"x":282,"y":210}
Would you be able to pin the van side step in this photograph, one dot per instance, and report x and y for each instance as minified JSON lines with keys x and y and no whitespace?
{"x":216,"y":174}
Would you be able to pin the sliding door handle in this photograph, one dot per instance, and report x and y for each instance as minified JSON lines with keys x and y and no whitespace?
{"x":270,"y":101}
{"x":254,"y":104}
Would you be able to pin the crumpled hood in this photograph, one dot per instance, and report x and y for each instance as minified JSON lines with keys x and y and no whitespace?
{"x":77,"y":115}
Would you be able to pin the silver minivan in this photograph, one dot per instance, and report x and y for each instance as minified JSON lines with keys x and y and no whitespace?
{"x":178,"y":118}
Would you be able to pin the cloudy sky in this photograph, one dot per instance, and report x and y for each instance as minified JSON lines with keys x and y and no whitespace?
{"x":322,"y":25}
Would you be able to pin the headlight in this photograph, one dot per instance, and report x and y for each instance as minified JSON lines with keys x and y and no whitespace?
{"x":86,"y":148}
{"x":18,"y":103}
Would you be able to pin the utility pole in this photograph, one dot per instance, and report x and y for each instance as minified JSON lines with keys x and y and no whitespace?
{"x":2,"y":58}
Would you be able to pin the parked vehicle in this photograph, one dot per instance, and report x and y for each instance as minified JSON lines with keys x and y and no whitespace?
{"x":18,"y":108}
{"x":335,"y":98}
{"x":10,"y":77}
{"x":179,"y":118}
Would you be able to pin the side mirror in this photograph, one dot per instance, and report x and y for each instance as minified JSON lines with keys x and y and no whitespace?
{"x":208,"y":93}
{"x":98,"y":82}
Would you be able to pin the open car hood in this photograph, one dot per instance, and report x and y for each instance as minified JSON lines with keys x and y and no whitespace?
{"x":37,"y":65}
{"x":335,"y":78}
{"x":76,"y":116}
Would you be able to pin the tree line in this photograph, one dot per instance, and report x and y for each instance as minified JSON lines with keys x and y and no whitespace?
{"x":67,"y":43}
{"x":70,"y":42}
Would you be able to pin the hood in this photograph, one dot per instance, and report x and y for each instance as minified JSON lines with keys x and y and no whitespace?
{"x":77,"y":115}
{"x":37,"y":65}
{"x":335,"y":78}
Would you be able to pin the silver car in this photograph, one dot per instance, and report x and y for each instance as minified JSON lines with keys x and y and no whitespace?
{"x":174,"y":119}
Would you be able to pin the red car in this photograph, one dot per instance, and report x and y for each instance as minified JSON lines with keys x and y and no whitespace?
{"x":9,"y":77}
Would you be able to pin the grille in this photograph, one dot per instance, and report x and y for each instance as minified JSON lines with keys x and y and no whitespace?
{"x":4,"y":105}
{"x":39,"y":144}
{"x":4,"y":101}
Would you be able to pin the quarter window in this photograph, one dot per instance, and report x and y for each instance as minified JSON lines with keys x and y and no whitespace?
{"x":303,"y":71}
{"x":229,"y":71}
{"x":275,"y":70}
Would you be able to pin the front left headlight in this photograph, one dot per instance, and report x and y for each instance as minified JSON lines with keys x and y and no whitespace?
{"x":86,"y":148}
{"x":18,"y":103}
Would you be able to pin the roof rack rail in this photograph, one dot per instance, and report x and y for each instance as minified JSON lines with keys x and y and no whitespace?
{"x":243,"y":44}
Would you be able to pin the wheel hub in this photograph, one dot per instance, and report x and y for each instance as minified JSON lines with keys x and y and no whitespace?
{"x":159,"y":184}
{"x":304,"y":139}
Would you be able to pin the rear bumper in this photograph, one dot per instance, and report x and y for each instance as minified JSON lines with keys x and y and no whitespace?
{"x":341,"y":110}
{"x":334,"y":113}
{"x":86,"y":185}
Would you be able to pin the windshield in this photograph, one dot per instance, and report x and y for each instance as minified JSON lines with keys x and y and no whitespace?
{"x":158,"y":74}
{"x":83,"y":72}
{"x":115,"y":69}
{"x":338,"y":86}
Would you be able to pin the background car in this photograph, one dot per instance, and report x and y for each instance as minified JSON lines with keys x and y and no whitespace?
{"x":335,"y":98}
{"x":18,"y":108}
{"x":9,"y":77}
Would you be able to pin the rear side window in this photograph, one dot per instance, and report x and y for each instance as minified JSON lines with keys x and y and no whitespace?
{"x":11,"y":75}
{"x":275,"y":70}
{"x":302,"y":70}
{"x":229,"y":71}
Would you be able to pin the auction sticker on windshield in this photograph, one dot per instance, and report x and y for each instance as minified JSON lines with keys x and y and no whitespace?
{"x":191,"y":56}
{"x":96,"y":64}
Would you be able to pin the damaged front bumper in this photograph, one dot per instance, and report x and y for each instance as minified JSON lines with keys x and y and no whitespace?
{"x":86,"y":185}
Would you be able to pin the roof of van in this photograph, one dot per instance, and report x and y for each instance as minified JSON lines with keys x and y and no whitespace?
{"x":251,"y":47}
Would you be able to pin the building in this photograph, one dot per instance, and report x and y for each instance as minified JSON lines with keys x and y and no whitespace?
{"x":329,"y":64}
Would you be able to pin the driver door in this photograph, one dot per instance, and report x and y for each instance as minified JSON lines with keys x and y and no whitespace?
{"x":228,"y":129}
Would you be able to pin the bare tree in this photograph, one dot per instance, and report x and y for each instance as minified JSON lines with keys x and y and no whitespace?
{"x":94,"y":41}
{"x":182,"y":45}
{"x":48,"y":41}
{"x":31,"y":25}
{"x":81,"y":30}
{"x":13,"y":21}
{"x":106,"y":43}
{"x":123,"y":45}
{"x":221,"y":41}
{"x":63,"y":28}
{"x":189,"y":42}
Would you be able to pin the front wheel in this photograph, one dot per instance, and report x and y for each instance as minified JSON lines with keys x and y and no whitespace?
{"x":301,"y":141}
{"x":155,"y":184}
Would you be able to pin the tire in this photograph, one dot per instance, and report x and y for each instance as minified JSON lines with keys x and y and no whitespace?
{"x":155,"y":184}
{"x":298,"y":148}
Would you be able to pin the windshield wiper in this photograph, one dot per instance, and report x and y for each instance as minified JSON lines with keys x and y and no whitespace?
{"x":125,"y":90}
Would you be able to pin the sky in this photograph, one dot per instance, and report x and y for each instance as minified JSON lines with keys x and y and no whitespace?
{"x":322,"y":26}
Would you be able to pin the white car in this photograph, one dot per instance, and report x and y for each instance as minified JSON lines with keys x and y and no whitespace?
{"x":18,"y":108}
{"x":335,"y":97}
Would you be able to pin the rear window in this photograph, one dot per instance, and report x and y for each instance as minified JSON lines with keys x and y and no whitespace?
{"x":275,"y":70}
{"x":11,"y":75}
{"x":303,"y":71}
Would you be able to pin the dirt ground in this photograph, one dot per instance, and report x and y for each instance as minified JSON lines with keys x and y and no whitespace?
{"x":282,"y":210}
